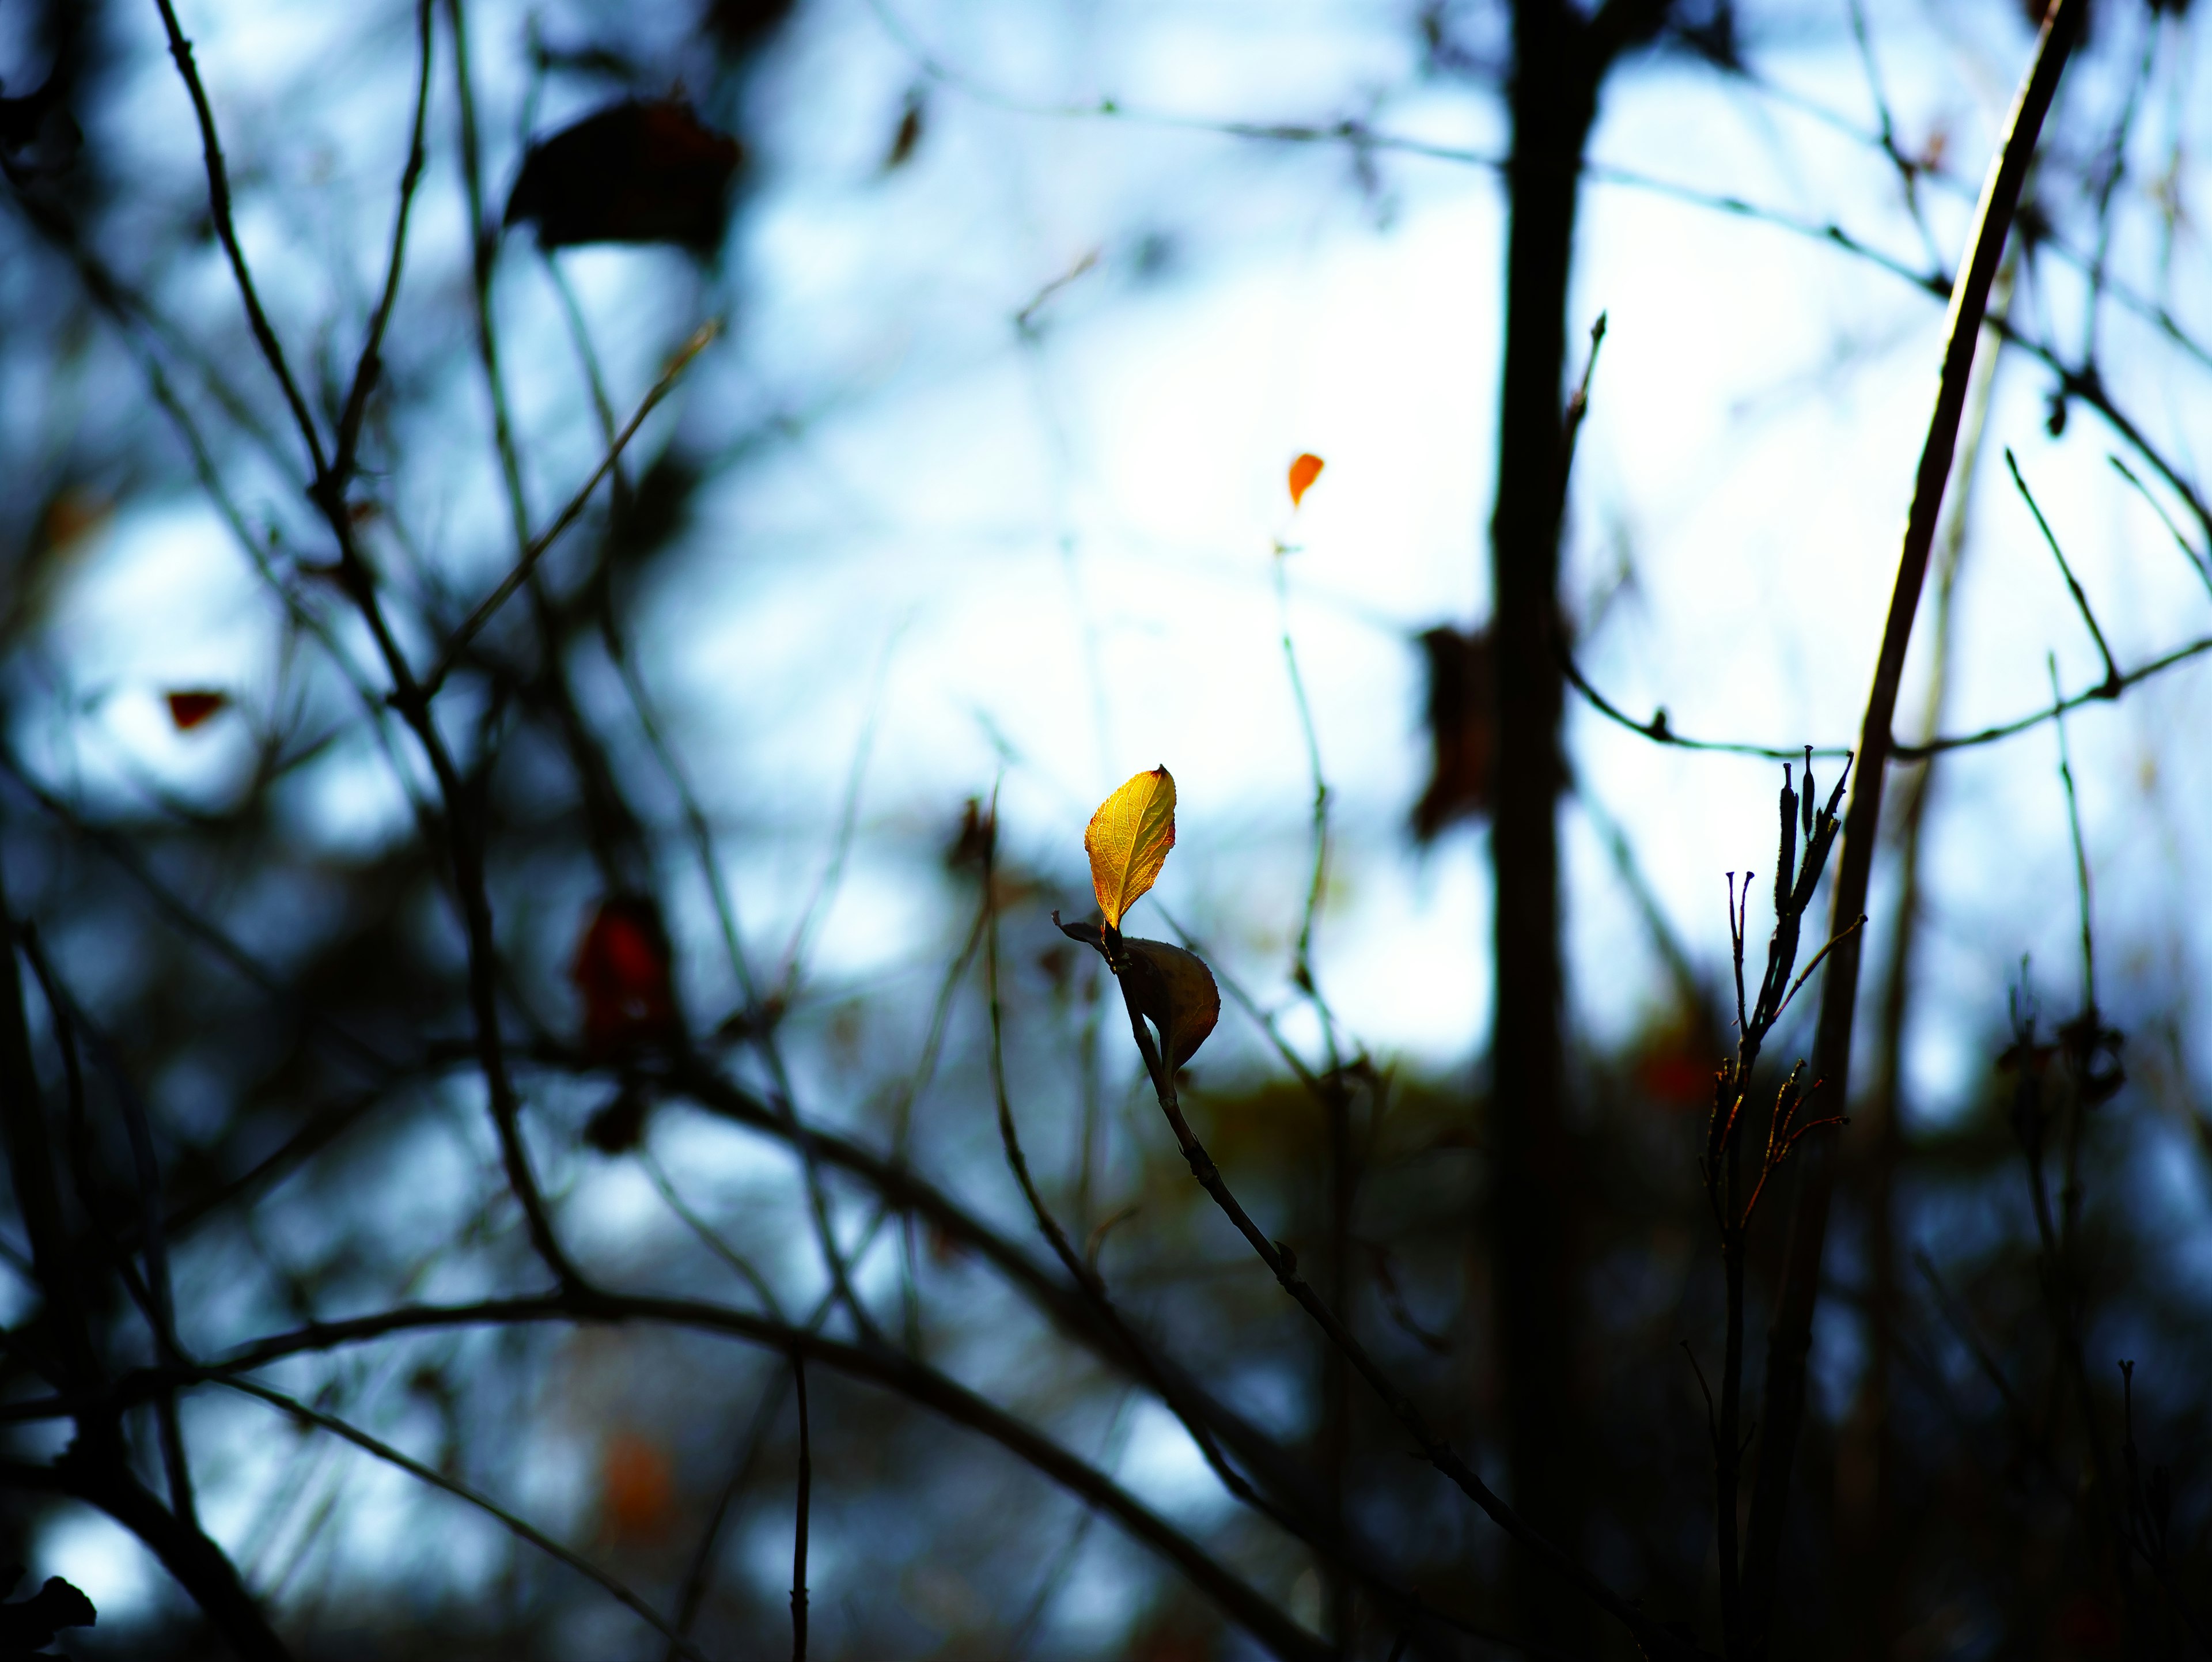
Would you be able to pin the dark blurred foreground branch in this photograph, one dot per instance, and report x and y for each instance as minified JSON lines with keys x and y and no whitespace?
{"x":902,"y":1375}
{"x":95,"y":1466}
{"x":1791,"y":1336}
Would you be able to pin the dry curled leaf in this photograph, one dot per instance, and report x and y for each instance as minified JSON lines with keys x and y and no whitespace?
{"x":1128,"y":839}
{"x":1167,"y":985}
{"x":1174,"y":990}
{"x":1303,"y":471}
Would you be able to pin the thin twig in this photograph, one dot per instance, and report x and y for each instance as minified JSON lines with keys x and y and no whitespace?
{"x":2197,"y":564}
{"x":2112,"y":681}
{"x":1791,"y":1335}
{"x":218,"y":176}
{"x":370,"y":366}
{"x":453,"y":1486}
{"x":535,"y":548}
{"x":2081,"y":856}
{"x":1657,"y":1640}
{"x":902,"y":1375}
{"x":801,"y":1513}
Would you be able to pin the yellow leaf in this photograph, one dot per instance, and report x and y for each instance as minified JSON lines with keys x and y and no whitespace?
{"x":1303,"y":471}
{"x":1128,"y":839}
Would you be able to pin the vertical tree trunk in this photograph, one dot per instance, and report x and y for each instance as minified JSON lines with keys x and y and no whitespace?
{"x":1531,"y":1197}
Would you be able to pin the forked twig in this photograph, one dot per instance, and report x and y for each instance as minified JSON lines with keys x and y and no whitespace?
{"x":536,"y":548}
{"x":1791,"y":1335}
{"x":2112,"y":682}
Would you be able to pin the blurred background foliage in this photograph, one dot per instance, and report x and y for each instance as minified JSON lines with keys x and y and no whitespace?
{"x":972,"y":504}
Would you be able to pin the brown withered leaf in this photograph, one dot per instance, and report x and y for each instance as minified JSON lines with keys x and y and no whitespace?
{"x":908,"y":134}
{"x":632,"y":172}
{"x":1169,"y":986}
{"x":1128,"y":839}
{"x":1462,"y":722}
{"x":1303,"y":471}
{"x":1174,"y":990}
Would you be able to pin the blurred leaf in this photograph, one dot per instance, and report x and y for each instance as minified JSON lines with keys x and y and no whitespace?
{"x":908,"y":133}
{"x":1174,"y":990}
{"x":1128,"y":839}
{"x":741,"y":27}
{"x":618,"y":1125}
{"x":972,"y":845}
{"x":1303,"y":471}
{"x":659,"y":507}
{"x":39,"y":137}
{"x":633,"y":172}
{"x":189,"y":709}
{"x":622,"y":969}
{"x":71,"y":516}
{"x":1462,"y":728}
{"x":636,"y":1489}
{"x":30,"y":1624}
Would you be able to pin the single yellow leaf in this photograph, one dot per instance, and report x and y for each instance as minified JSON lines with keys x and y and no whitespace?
{"x":1128,"y":839}
{"x":1303,"y":471}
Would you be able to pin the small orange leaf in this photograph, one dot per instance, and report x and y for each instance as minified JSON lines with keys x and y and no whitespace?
{"x":1128,"y":839}
{"x":1303,"y":471}
{"x":188,"y":709}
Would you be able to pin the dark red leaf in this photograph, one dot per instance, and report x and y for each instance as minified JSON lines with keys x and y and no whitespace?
{"x":633,"y":172}
{"x":622,"y":969}
{"x":189,"y":709}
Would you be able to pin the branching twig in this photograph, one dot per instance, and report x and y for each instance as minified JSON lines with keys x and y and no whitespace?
{"x":521,"y":1527}
{"x":1800,"y":1289}
{"x":1656,"y":1641}
{"x":534,"y":549}
{"x":2112,"y":682}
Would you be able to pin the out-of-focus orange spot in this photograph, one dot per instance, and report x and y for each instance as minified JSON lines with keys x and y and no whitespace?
{"x":188,"y":709}
{"x":637,"y":1490}
{"x":622,"y":969}
{"x":72,"y":516}
{"x":1303,"y":471}
{"x":1676,"y":1078}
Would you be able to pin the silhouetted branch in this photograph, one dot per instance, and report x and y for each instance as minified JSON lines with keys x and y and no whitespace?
{"x":902,"y":1375}
{"x":519,"y":1527}
{"x":1800,"y":1277}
